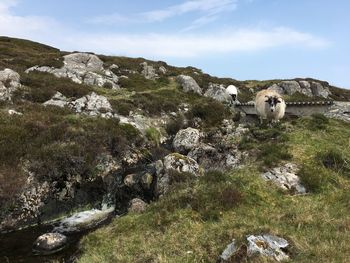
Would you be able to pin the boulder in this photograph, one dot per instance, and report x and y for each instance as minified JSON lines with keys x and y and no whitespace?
{"x":173,"y":162}
{"x":289,"y":87}
{"x":148,"y":71}
{"x":285,"y":177}
{"x":162,"y":70}
{"x":186,"y":139}
{"x":219,"y":93}
{"x":227,"y":254}
{"x":82,"y":68}
{"x":137,"y":205}
{"x":13,"y":112}
{"x":49,"y":243}
{"x":339,"y":110}
{"x":92,"y":104}
{"x":9,"y":83}
{"x":58,"y":100}
{"x":268,"y":245}
{"x":319,"y":90}
{"x":189,"y":84}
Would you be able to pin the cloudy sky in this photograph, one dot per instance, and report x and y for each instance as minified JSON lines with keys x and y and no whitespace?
{"x":243,"y":39}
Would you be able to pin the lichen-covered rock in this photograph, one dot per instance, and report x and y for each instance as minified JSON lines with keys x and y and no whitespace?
{"x":319,"y":90}
{"x":227,"y":254}
{"x":339,"y":110}
{"x":9,"y":83}
{"x":91,"y":104}
{"x":58,"y":100}
{"x":219,"y":93}
{"x":137,"y":205}
{"x":173,"y":162}
{"x":286,"y":178}
{"x":269,"y":246}
{"x":186,"y":139}
{"x":189,"y":84}
{"x":82,"y":68}
{"x":310,"y":89}
{"x":148,"y":71}
{"x":49,"y":243}
{"x":162,"y":70}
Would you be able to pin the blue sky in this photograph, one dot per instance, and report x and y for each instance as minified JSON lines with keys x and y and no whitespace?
{"x":243,"y":39}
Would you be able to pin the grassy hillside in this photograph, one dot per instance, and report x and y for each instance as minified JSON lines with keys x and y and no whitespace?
{"x":199,"y":218}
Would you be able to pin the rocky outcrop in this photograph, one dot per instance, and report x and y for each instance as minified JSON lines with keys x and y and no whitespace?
{"x":148,"y":71}
{"x":339,"y":110}
{"x":173,"y":163}
{"x":189,"y":84}
{"x":137,"y":205}
{"x":285,"y":177}
{"x":49,"y":243}
{"x":219,"y":93}
{"x":91,"y":104}
{"x":266,"y":245}
{"x":9,"y":83}
{"x":162,"y":70}
{"x":310,"y":89}
{"x":186,"y":139}
{"x":82,"y":68}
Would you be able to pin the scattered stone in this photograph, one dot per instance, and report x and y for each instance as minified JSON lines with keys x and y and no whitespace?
{"x":49,"y":243}
{"x":339,"y":110}
{"x":229,"y":251}
{"x":173,"y":162}
{"x":219,"y":93}
{"x":286,"y":178}
{"x":186,"y":139}
{"x":148,"y":71}
{"x":137,"y":206}
{"x":189,"y":84}
{"x":82,"y":68}
{"x":13,"y":112}
{"x":9,"y":83}
{"x":268,"y":245}
{"x":58,"y":100}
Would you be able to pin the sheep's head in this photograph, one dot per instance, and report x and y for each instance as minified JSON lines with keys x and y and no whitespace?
{"x":272,"y":101}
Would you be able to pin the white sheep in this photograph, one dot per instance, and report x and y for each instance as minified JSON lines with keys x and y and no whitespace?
{"x":233,"y":92}
{"x":270,"y":105}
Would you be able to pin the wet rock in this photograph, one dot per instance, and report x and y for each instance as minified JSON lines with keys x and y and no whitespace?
{"x":219,"y":93}
{"x":286,"y":178}
{"x":339,"y":110}
{"x":173,"y":162}
{"x":148,"y":71}
{"x":189,"y":84}
{"x":269,"y":246}
{"x":186,"y":139}
{"x":229,"y":251}
{"x":49,"y":243}
{"x":84,"y":220}
{"x":9,"y":83}
{"x":137,"y":205}
{"x":82,"y":68}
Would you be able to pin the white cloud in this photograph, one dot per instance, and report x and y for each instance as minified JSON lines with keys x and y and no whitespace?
{"x":195,"y":45}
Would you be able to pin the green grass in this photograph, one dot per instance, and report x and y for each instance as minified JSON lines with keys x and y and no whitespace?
{"x":196,"y":221}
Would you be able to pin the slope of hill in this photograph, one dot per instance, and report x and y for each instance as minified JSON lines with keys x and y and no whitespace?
{"x":80,"y":131}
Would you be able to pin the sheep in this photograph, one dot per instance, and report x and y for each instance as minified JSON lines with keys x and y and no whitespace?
{"x":232,"y":91}
{"x":269,"y":105}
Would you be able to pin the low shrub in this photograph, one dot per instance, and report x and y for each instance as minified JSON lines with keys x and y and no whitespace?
{"x":333,"y":159}
{"x":317,"y":122}
{"x":314,"y":178}
{"x":153,"y":135}
{"x":175,"y":124}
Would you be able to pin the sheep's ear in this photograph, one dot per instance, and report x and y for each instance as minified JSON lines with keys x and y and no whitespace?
{"x":278,"y":101}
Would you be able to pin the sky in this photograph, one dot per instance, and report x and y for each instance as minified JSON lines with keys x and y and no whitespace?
{"x":242,"y":39}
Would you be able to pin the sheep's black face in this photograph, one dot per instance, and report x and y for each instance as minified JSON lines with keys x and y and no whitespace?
{"x":272,"y":102}
{"x":234,"y":97}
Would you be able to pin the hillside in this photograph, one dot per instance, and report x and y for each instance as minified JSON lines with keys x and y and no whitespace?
{"x":158,"y":151}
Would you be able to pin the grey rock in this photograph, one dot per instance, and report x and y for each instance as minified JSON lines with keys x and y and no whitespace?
{"x":173,"y":162}
{"x":339,"y":110}
{"x":285,"y":177}
{"x":319,"y":90}
{"x":92,"y":104}
{"x":58,"y":100}
{"x":306,"y":88}
{"x":137,"y":205}
{"x":162,"y":70}
{"x":82,"y":68}
{"x":49,"y":243}
{"x":186,"y":139}
{"x":218,"y":92}
{"x":9,"y":83}
{"x":229,"y":251}
{"x":268,"y":245}
{"x":13,"y":112}
{"x":189,"y":84}
{"x":148,"y":71}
